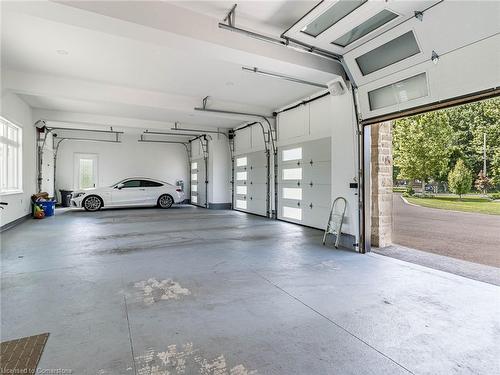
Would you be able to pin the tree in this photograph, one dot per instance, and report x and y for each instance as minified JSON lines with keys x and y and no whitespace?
{"x":482,"y":183}
{"x":460,"y":179}
{"x":470,"y":122}
{"x":422,"y":147}
{"x":495,"y":167}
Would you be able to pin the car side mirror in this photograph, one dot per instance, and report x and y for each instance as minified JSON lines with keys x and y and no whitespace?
{"x":120,"y":186}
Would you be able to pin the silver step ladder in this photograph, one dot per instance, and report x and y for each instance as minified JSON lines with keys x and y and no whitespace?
{"x":335,"y":220}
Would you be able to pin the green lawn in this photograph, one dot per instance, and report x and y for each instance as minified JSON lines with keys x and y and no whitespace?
{"x":467,"y":204}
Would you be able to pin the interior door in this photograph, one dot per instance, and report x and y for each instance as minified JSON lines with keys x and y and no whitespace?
{"x":86,"y":168}
{"x":132,"y":193}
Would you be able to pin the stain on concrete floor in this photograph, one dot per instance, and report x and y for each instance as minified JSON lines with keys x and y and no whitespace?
{"x":185,"y":359}
{"x":153,"y":290}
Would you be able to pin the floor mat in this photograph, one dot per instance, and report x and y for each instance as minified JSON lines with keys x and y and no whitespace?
{"x":21,"y":356}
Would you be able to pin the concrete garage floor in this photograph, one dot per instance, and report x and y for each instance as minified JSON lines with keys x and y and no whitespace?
{"x":248,"y":295}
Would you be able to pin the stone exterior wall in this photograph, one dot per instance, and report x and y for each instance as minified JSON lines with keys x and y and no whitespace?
{"x":381,"y":184}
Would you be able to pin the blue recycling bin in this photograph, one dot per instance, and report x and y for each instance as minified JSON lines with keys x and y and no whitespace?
{"x":48,"y":207}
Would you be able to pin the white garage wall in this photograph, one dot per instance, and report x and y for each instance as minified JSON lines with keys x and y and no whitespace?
{"x":167,"y":162}
{"x":219,"y":166}
{"x":18,"y":112}
{"x":331,"y":116}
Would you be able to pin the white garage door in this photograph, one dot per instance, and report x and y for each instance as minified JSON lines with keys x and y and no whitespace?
{"x":250,"y":174}
{"x":304,"y":185}
{"x":398,"y":56}
{"x":198,"y":182}
{"x":251,"y":193}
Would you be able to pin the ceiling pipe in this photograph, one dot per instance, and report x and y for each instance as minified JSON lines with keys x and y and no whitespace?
{"x":198,"y":131}
{"x":158,"y":141}
{"x":285,"y":42}
{"x":252,"y":34}
{"x":294,"y":44}
{"x":87,"y":130}
{"x":223,"y":111}
{"x":168,"y":133}
{"x":77,"y":123}
{"x":142,"y":140}
{"x":283,"y":76}
{"x":88,"y":139}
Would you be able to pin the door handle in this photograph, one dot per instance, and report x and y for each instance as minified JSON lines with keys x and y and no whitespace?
{"x":142,"y":189}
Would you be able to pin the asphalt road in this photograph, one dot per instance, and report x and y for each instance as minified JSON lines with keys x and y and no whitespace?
{"x":462,"y":235}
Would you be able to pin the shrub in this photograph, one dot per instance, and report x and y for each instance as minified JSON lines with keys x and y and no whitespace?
{"x":460,"y":179}
{"x":494,"y":196}
{"x":482,"y":183}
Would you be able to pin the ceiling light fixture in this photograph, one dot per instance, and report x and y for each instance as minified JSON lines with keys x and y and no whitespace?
{"x":62,"y":52}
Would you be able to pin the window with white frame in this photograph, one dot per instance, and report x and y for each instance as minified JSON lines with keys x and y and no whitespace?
{"x":292,"y":154}
{"x":10,"y":157}
{"x":241,"y":162}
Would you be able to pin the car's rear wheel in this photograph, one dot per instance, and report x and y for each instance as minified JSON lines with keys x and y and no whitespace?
{"x":92,"y":203}
{"x":165,"y":201}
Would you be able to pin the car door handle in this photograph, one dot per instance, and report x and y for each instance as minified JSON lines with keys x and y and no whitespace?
{"x":142,"y":189}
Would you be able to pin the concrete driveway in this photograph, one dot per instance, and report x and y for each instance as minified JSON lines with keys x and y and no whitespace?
{"x":468,"y":236}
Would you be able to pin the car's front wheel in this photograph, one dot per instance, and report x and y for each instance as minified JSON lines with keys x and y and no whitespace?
{"x":165,"y":201}
{"x":92,"y":203}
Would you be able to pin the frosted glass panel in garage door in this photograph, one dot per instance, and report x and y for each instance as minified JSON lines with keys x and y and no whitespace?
{"x":304,"y":185}
{"x":198,"y":177}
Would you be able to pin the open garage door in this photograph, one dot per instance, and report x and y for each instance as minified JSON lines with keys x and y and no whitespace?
{"x":251,"y":171}
{"x":397,"y":57}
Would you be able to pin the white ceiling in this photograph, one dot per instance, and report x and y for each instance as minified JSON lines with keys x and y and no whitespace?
{"x":124,"y":110}
{"x":267,"y":16}
{"x":117,"y":52}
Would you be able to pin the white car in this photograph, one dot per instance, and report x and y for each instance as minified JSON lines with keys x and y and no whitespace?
{"x":136,"y":191}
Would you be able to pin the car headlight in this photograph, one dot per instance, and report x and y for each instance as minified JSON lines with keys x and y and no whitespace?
{"x":78,"y":195}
